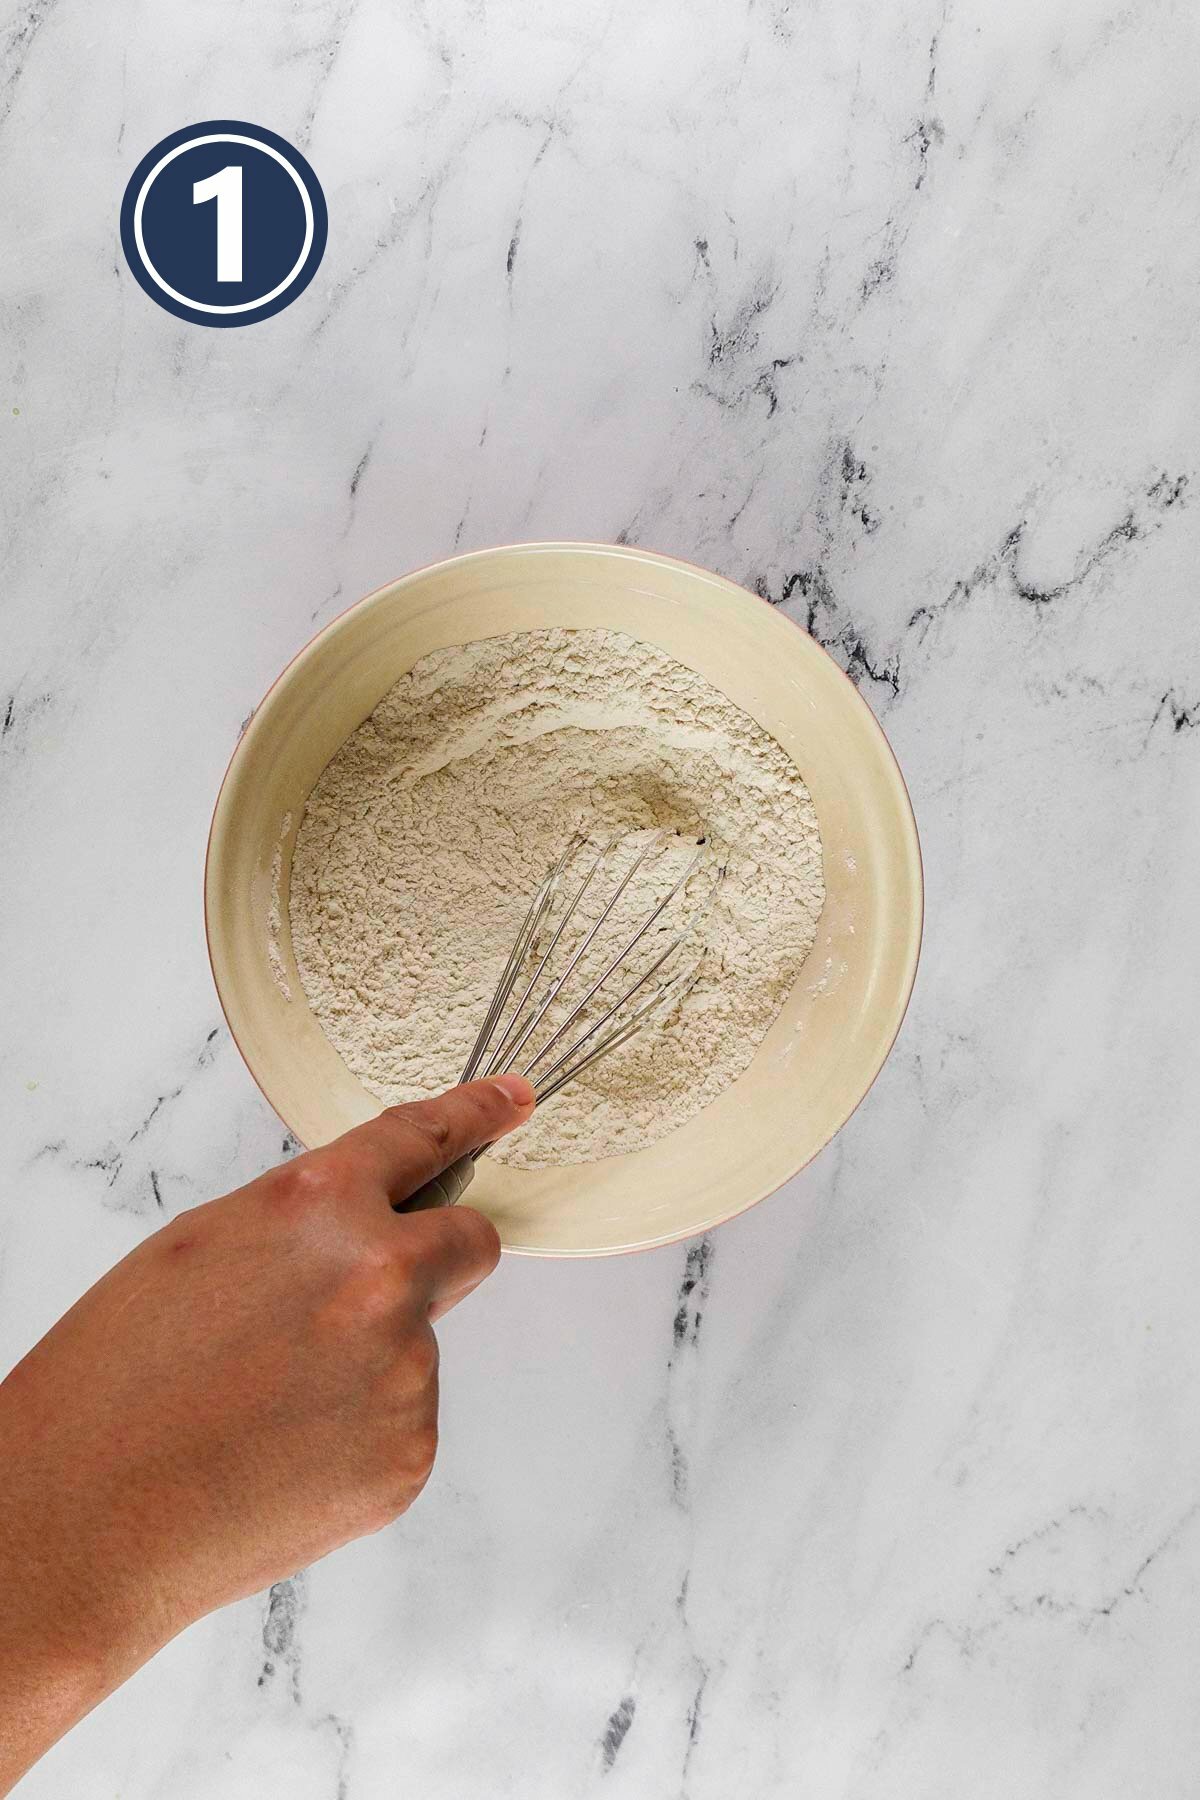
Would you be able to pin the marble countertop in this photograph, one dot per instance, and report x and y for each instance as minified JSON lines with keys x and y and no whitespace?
{"x":892,"y":1488}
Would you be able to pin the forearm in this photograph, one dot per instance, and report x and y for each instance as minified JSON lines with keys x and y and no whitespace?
{"x":46,"y":1685}
{"x":68,"y":1635}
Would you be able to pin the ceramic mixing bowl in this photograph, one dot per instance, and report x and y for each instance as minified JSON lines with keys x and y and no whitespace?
{"x":841,"y":1017}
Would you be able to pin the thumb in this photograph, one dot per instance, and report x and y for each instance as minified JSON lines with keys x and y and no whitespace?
{"x":409,"y":1144}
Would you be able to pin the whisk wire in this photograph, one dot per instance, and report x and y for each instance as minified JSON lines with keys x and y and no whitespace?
{"x":520,"y":950}
{"x":616,"y":1023}
{"x":501,"y":1050}
{"x":511,"y":1051}
{"x":616,"y":963}
{"x":663,"y":999}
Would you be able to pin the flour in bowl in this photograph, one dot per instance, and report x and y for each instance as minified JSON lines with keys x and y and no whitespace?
{"x":429,"y":831}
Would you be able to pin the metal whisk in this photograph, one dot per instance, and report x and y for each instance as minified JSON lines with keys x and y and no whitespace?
{"x":548,"y":1035}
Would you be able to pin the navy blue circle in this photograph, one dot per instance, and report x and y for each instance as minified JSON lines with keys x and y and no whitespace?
{"x":180,"y":233}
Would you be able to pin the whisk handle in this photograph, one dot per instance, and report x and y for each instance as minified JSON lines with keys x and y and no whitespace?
{"x":444,"y":1190}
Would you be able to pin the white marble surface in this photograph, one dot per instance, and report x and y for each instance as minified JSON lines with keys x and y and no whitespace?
{"x":893,"y":1489}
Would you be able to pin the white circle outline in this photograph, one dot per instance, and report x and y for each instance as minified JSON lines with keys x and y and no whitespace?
{"x":222,"y":137}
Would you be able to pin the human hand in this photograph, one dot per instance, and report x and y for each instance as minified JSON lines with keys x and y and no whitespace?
{"x":249,"y":1388}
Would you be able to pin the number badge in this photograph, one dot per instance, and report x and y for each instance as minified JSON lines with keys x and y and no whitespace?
{"x":223,"y":223}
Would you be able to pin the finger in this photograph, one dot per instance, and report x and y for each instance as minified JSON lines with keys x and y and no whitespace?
{"x":447,"y":1253}
{"x":406,"y":1145}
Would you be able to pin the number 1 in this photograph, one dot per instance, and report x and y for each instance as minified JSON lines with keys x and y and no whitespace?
{"x":225,"y":187}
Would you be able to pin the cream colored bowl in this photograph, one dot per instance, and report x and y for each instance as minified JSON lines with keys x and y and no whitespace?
{"x":840,"y":1020}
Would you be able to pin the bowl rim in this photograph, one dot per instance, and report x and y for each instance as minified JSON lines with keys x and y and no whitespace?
{"x":916,"y":931}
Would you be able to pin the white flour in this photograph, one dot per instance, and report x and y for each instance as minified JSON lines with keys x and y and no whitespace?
{"x":429,"y":831}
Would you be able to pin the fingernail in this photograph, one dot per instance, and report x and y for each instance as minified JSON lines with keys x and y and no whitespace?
{"x":516,"y":1090}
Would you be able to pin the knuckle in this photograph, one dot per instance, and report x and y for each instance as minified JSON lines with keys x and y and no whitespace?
{"x":415,"y":1373}
{"x":429,"y":1124}
{"x":407,"y":1465}
{"x":304,"y":1185}
{"x":482,"y":1240}
{"x":416,"y":1455}
{"x":361,"y":1292}
{"x":406,"y":1440}
{"x":485,"y":1104}
{"x":389,"y":1499}
{"x":403,"y":1269}
{"x":422,"y":1357}
{"x":423,"y":1450}
{"x":369,"y":1293}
